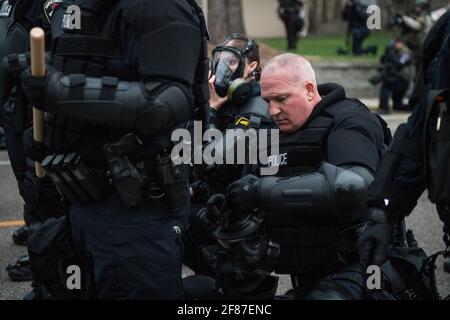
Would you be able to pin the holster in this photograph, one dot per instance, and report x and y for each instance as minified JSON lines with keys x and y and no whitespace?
{"x":126,"y":178}
{"x":173,"y":180}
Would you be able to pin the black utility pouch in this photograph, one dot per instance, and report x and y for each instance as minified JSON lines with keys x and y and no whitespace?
{"x":126,"y":178}
{"x":74,"y":180}
{"x":174,"y":179}
{"x":437,"y":146}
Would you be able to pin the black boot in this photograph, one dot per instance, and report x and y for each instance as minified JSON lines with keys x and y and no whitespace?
{"x":447,"y":265}
{"x":21,"y":270}
{"x":39,"y":292}
{"x":20,"y":236}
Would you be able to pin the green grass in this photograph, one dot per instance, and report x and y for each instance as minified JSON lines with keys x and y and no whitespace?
{"x":324,"y":47}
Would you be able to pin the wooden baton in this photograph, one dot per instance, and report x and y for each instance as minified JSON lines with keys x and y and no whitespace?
{"x":37,"y":51}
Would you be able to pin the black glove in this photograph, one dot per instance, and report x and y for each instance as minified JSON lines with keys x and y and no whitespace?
{"x":199,"y":191}
{"x":242,"y":195}
{"x":35,"y":88}
{"x":210,"y":216}
{"x":36,"y":151}
{"x":374,"y":241}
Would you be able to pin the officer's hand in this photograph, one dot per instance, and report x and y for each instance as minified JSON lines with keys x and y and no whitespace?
{"x":374,"y":241}
{"x":199,"y":191}
{"x":35,"y":88}
{"x":216,"y":102}
{"x":242,"y":195}
{"x":34,"y":150}
{"x":210,"y":215}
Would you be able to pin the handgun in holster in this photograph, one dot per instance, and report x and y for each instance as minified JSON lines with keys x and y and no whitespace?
{"x":74,"y":180}
{"x":174,"y":181}
{"x":126,"y":179}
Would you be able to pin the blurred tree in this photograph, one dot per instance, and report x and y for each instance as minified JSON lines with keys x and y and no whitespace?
{"x":224,"y":18}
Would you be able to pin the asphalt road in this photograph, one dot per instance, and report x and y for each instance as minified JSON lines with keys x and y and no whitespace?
{"x":424,"y":221}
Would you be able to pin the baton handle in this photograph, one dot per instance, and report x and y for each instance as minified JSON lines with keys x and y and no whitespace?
{"x":37,"y":48}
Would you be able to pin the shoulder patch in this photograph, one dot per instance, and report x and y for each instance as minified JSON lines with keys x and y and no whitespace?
{"x":5,"y":9}
{"x":50,"y":7}
{"x":242,"y":122}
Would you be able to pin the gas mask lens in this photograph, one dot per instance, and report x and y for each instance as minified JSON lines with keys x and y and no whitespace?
{"x":226,"y":66}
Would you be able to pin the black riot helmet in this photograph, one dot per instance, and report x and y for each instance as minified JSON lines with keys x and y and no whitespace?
{"x":228,"y":65}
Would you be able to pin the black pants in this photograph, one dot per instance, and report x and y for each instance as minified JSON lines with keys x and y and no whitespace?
{"x":293,"y":25}
{"x":398,"y":91}
{"x":359,"y":35}
{"x":17,"y":156}
{"x":131,"y":253}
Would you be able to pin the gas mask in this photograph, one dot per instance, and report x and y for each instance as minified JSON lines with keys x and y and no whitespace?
{"x":228,"y":65}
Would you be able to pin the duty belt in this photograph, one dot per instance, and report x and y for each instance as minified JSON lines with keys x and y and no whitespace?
{"x":157,"y":180}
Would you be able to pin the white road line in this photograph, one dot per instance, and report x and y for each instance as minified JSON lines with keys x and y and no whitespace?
{"x":5,"y":163}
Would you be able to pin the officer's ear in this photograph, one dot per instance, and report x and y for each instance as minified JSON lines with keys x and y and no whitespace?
{"x":251,"y":68}
{"x":310,"y":90}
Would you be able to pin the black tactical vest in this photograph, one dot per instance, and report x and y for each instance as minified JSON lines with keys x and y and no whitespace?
{"x":305,"y":247}
{"x":92,"y":51}
{"x":253,"y":114}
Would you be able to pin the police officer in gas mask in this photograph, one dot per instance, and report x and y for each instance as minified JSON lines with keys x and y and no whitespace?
{"x":121,"y":81}
{"x":235,"y":103}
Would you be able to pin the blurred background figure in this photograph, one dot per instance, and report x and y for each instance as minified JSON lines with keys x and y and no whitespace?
{"x":355,"y":13}
{"x":413,"y":27}
{"x":291,"y":12}
{"x":396,"y":74}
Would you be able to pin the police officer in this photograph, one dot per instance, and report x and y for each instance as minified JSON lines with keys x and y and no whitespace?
{"x":122,"y":79}
{"x":236,"y":95}
{"x":417,"y":158}
{"x":413,"y":28}
{"x":315,"y":205}
{"x":40,"y":196}
{"x":235,"y":103}
{"x":397,"y":74}
{"x":292,"y":14}
{"x":356,"y":15}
